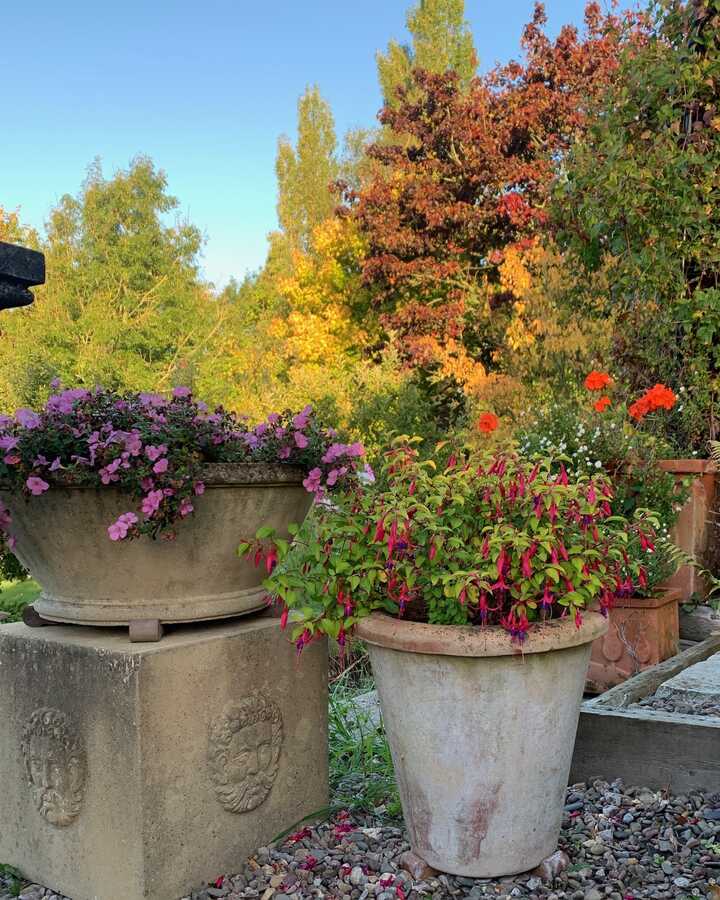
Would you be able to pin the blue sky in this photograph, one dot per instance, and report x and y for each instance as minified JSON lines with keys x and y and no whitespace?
{"x":204,"y":89}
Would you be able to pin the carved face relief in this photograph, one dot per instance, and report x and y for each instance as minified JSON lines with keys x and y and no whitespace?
{"x":55,"y":765}
{"x":244,"y":752}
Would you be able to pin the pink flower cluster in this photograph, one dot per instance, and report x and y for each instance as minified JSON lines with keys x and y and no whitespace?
{"x":154,"y":448}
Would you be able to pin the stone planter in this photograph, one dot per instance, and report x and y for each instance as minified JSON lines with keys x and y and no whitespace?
{"x":692,"y":529}
{"x":643,"y":632}
{"x":481,"y":736}
{"x":88,"y":579}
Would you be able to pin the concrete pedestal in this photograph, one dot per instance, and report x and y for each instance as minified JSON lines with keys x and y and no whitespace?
{"x":140,"y":771}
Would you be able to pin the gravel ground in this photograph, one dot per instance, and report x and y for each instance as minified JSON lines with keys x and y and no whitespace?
{"x":616,"y":842}
{"x":710,"y":707}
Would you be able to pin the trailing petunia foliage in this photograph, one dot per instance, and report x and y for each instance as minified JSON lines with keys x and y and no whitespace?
{"x":155,"y":449}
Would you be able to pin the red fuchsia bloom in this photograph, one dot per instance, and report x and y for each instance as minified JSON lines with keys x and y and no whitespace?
{"x":642,"y":577}
{"x":517,"y":626}
{"x":538,"y":506}
{"x":591,"y":495}
{"x":36,"y":485}
{"x":284,"y":617}
{"x":578,"y":619}
{"x":526,"y":564}
{"x":547,"y":597}
{"x":596,"y":381}
{"x":562,"y":476}
{"x":300,"y":835}
{"x":271,"y":558}
{"x":432,"y":552}
{"x":553,"y":512}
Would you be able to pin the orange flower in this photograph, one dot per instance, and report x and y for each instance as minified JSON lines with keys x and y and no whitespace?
{"x":602,"y":404}
{"x":596,"y":381}
{"x":658,"y":397}
{"x":487,"y":422}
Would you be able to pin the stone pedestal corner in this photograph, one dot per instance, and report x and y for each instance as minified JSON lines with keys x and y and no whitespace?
{"x":142,"y":771}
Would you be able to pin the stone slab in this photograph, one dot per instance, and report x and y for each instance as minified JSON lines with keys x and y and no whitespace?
{"x":696,"y":683}
{"x":142,"y":771}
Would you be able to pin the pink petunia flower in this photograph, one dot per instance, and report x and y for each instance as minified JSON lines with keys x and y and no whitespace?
{"x":300,"y":440}
{"x":27,"y":418}
{"x":160,"y":466}
{"x":181,"y":392}
{"x":199,"y":488}
{"x":151,"y":503}
{"x":36,"y":485}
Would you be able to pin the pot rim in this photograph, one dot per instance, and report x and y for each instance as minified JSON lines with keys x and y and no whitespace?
{"x":472,"y":641}
{"x":219,"y":474}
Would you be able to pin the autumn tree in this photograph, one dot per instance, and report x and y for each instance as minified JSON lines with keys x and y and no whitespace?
{"x":466,"y":185}
{"x":441,"y":42}
{"x":639,"y":199}
{"x":306,"y":171}
{"x":123,"y":305}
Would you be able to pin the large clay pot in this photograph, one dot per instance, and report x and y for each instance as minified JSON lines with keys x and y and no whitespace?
{"x":692,"y":530}
{"x":643,"y":632}
{"x":88,"y":579}
{"x":481,"y":736}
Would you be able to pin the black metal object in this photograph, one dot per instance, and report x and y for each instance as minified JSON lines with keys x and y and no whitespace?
{"x":20,"y":269}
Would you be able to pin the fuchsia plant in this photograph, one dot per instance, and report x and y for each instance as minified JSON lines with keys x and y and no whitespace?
{"x":154,"y":448}
{"x":487,"y":540}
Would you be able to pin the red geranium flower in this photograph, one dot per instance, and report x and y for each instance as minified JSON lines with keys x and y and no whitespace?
{"x":596,"y":381}
{"x":658,"y":397}
{"x":602,"y":404}
{"x":487,"y":422}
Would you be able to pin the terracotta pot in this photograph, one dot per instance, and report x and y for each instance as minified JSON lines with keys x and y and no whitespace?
{"x":88,"y":579}
{"x":481,"y":736}
{"x":643,"y":632}
{"x":691,"y":531}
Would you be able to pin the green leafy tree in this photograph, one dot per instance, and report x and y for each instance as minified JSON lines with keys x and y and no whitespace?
{"x":640,"y":200}
{"x":306,"y":172}
{"x":441,"y":41}
{"x":123,"y":305}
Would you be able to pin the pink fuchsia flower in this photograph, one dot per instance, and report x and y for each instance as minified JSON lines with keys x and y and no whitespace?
{"x":300,"y":440}
{"x":36,"y":485}
{"x":160,"y":466}
{"x":186,"y":507}
{"x":118,"y":530}
{"x":151,"y":503}
{"x":313,"y":480}
{"x":27,"y":418}
{"x":199,"y":488}
{"x":180,"y":393}
{"x":154,"y":453}
{"x":303,"y":417}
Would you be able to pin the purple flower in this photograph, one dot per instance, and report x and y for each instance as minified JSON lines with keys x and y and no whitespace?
{"x":284,"y":453}
{"x":5,"y":517}
{"x":11,"y":459}
{"x":55,"y":464}
{"x":312,"y":482}
{"x":261,"y":429}
{"x":36,"y":485}
{"x":151,"y":503}
{"x":300,"y":440}
{"x":303,"y":417}
{"x":154,"y":453}
{"x":181,"y":392}
{"x":119,"y":529}
{"x":133,"y":443}
{"x":109,"y":474}
{"x":147,"y":484}
{"x":40,"y":461}
{"x":273,"y":418}
{"x":7,"y":442}
{"x":160,"y":466}
{"x":148,"y":399}
{"x":186,"y":507}
{"x":199,"y":488}
{"x":27,"y":418}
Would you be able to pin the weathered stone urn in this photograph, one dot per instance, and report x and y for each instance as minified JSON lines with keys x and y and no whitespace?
{"x":88,"y":579}
{"x":481,"y":735}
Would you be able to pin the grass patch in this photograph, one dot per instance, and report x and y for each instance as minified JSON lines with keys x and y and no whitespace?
{"x":361,"y":770}
{"x":15,"y":596}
